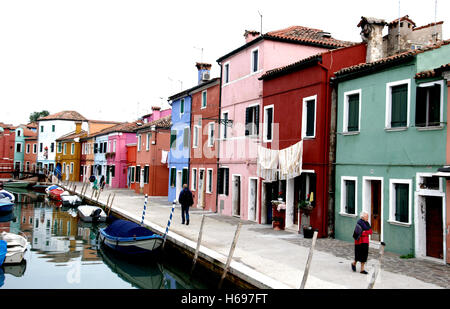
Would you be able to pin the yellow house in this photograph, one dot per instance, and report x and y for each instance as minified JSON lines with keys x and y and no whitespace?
{"x":68,"y":154}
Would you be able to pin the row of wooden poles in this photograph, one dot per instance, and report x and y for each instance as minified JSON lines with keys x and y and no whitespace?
{"x":72,"y":187}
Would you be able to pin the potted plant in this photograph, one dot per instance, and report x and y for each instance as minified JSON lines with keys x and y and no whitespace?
{"x":306,"y":207}
{"x":278,"y":212}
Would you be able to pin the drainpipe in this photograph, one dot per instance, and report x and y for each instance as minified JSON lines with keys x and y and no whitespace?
{"x":218,"y":144}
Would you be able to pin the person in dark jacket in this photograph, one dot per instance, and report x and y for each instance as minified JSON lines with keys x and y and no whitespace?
{"x":361,"y":236}
{"x":102,"y":182}
{"x":186,"y":200}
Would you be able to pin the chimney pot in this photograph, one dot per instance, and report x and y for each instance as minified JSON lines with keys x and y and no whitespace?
{"x":250,"y":35}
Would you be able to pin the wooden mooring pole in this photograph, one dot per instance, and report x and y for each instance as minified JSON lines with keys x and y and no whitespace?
{"x":308,"y":262}
{"x":198,"y":244}
{"x":230,"y":255}
{"x":110,"y":206}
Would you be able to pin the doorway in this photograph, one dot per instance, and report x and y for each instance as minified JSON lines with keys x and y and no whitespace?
{"x":201,"y":187}
{"x":252,"y":198}
{"x":178,"y":184}
{"x":236,"y":196}
{"x":373,"y":205}
{"x":434,"y":229}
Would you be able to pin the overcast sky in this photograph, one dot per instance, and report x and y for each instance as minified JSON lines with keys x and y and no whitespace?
{"x":114,"y":59}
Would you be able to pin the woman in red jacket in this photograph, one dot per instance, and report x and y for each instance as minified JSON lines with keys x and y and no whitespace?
{"x":361,"y":235}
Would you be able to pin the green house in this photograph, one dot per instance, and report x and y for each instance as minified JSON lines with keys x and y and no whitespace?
{"x":391,"y":136}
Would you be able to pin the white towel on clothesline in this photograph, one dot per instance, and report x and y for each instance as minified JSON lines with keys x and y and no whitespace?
{"x":267,"y":163}
{"x":290,"y":161}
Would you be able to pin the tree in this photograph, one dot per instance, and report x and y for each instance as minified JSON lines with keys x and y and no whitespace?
{"x":36,"y":115}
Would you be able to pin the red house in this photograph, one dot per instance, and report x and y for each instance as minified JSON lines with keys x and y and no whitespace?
{"x":297,"y":106}
{"x":7,"y":140}
{"x":205,"y":111}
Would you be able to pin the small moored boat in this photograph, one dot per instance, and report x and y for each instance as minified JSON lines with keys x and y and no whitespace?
{"x":130,"y":238}
{"x":17,"y":184}
{"x":8,"y":195}
{"x":16,"y":247}
{"x":90,"y":213}
{"x":6,"y":205}
{"x":57,"y":194}
{"x":71,"y":200}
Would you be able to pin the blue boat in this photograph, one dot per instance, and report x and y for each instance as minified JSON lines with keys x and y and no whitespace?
{"x":6,"y":206}
{"x":130,"y":238}
{"x":8,"y":195}
{"x":3,"y":250}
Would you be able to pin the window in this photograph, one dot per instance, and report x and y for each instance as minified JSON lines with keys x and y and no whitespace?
{"x":209,"y":180}
{"x":252,"y":120}
{"x":204,"y":99}
{"x":173,"y":176}
{"x":186,"y":138}
{"x":53,"y":128}
{"x":196,"y":135}
{"x":72,"y":148}
{"x":95,"y":147}
{"x":139,"y":142}
{"x":34,"y":148}
{"x":42,"y":129}
{"x":104,"y":146}
{"x":65,"y":148}
{"x":114,"y":146}
{"x":352,"y":111}
{"x":41,"y":146}
{"x":52,"y":147}
{"x":132,"y":172}
{"x":19,"y":147}
{"x":211,"y":134}
{"x":226,"y":73}
{"x":400,"y":201}
{"x":182,"y":107}
{"x":429,"y":104}
{"x":194,"y":179}
{"x":223,"y":175}
{"x":173,"y":139}
{"x":349,"y":195}
{"x":224,"y":126}
{"x":184,"y":176}
{"x":71,"y":168}
{"x":28,"y":148}
{"x":268,"y":123}
{"x":254,"y":60}
{"x":397,"y":104}
{"x":82,"y":167}
{"x":28,"y":166}
{"x":146,"y":173}
{"x":112,"y":169}
{"x":19,"y":132}
{"x":309,"y":117}
{"x":138,"y":174}
{"x":147,"y":147}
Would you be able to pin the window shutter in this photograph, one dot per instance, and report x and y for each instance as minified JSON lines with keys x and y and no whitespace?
{"x":173,"y":139}
{"x":353,"y":113}
{"x":220,"y":176}
{"x":434,"y":108}
{"x":269,"y":123}
{"x":226,"y":180}
{"x":184,"y":177}
{"x":181,"y":106}
{"x":421,"y":106}
{"x":399,"y":106}
{"x":247,"y":121}
{"x":186,"y":138}
{"x":401,"y":202}
{"x":257,"y":119}
{"x":350,"y":196}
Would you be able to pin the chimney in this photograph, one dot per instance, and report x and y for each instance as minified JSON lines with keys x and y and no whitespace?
{"x":372,"y":34}
{"x":204,"y":70}
{"x":250,"y":35}
{"x":77,"y":127}
{"x":156,"y":113}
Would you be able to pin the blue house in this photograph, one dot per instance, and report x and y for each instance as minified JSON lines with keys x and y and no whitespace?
{"x":178,"y":159}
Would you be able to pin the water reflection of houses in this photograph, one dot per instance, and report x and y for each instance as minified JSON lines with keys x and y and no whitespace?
{"x":88,"y":233}
{"x":26,"y":219}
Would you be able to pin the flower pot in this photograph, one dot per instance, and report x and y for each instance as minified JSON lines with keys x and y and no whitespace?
{"x":278,"y":217}
{"x":308,"y":232}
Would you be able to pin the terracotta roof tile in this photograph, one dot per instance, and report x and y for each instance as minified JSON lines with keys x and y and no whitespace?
{"x":292,"y":66}
{"x":64,"y":115}
{"x":121,"y":127}
{"x":72,"y":135}
{"x":164,"y":123}
{"x":434,"y":72}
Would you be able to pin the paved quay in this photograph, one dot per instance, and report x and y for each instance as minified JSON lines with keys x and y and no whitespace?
{"x":275,"y":259}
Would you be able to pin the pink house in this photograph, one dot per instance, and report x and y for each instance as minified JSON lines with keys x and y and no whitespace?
{"x":241,"y":108}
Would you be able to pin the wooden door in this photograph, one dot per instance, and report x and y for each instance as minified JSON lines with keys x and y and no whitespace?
{"x":376,"y":209}
{"x":236,"y":196}
{"x":434,"y":230}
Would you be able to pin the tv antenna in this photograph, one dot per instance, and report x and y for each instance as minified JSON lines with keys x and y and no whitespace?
{"x":260,"y":15}
{"x":201,"y":50}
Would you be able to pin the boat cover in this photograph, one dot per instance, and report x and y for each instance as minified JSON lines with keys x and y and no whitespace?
{"x":124,"y":228}
{"x":53,"y":187}
{"x":3,"y":249}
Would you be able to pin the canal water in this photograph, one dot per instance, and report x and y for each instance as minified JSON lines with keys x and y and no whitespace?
{"x":63,"y":253}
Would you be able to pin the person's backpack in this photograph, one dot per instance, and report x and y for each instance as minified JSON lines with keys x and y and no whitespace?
{"x":357,"y":232}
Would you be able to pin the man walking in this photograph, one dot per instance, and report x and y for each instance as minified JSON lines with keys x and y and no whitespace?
{"x":186,"y":200}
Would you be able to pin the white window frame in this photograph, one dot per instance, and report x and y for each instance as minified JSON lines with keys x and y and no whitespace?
{"x":226,"y":73}
{"x":441,"y":106}
{"x":388,"y":116}
{"x":347,"y":94}
{"x":224,"y":126}
{"x":65,"y":148}
{"x":19,"y":144}
{"x":139,"y":142}
{"x":344,"y":196}
{"x":72,"y":148}
{"x":196,"y":137}
{"x":392,"y":183}
{"x":304,"y":116}
{"x":147,"y":145}
{"x":265,"y":127}
{"x":252,"y":63}
{"x":194,"y":179}
{"x":205,"y":101}
{"x":35,"y":148}
{"x":253,"y":134}
{"x":210,"y":140}
{"x":209,"y":179}
{"x":114,"y":146}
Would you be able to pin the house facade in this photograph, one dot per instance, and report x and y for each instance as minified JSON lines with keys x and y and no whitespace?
{"x":390,"y":128}
{"x":68,"y":154}
{"x":30,"y":156}
{"x":153,"y":146}
{"x":205,"y":116}
{"x":22,"y":132}
{"x":7,"y":143}
{"x":297,"y":107}
{"x":241,"y":105}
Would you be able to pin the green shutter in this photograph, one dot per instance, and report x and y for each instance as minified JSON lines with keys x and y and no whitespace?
{"x":310,"y":117}
{"x":399,"y":109}
{"x":186,"y":138}
{"x":350,"y":196}
{"x":401,"y":202}
{"x":421,"y":106}
{"x":173,"y":139}
{"x":173,"y":175}
{"x":204,"y":99}
{"x":353,"y":113}
{"x":185,"y":176}
{"x":182,"y":106}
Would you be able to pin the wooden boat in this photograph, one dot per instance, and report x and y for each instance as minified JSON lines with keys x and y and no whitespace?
{"x":6,"y":205}
{"x":7,"y":194}
{"x":130,"y":238}
{"x":52,"y":187}
{"x":17,"y":245}
{"x":89,"y":213}
{"x":56,"y":194}
{"x":71,"y":200}
{"x":17,"y":184}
